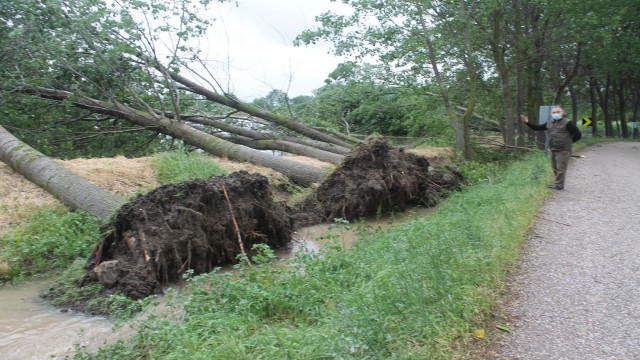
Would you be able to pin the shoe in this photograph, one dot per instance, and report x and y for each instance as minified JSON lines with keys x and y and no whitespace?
{"x":555,"y":187}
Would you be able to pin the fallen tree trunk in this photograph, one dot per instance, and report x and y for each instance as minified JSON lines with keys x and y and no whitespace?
{"x":73,"y":190}
{"x":256,"y":135}
{"x":284,"y":146}
{"x":299,"y":173}
{"x":234,"y":103}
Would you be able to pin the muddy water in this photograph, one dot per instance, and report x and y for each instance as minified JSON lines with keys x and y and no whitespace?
{"x":314,"y":237}
{"x":30,"y":329}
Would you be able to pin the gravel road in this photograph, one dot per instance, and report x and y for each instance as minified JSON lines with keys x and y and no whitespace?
{"x":576,"y":293}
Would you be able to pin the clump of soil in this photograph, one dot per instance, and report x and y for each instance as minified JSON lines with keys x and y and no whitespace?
{"x":154,"y":239}
{"x":377,"y":178}
{"x":157,"y":237}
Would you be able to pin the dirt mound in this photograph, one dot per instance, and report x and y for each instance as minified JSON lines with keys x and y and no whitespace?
{"x":377,"y":178}
{"x":157,"y":237}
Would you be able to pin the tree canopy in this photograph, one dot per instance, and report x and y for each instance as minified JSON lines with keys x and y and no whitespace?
{"x":487,"y":60}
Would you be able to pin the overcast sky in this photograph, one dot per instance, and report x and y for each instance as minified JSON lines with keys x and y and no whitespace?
{"x":253,"y":44}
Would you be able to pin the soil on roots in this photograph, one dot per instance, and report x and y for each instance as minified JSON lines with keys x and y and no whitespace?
{"x":376,"y":178}
{"x":199,"y":225}
{"x":195,"y":225}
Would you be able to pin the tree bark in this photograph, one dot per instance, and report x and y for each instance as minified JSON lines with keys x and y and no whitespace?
{"x":431,"y":52}
{"x":622,"y":116}
{"x":73,"y":190}
{"x":603,"y":99}
{"x":285,"y":146}
{"x":234,"y":103}
{"x":256,"y":135}
{"x":299,"y":173}
{"x":501,"y":67}
{"x":593,"y":83}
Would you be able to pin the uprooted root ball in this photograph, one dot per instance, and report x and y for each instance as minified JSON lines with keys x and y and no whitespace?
{"x":377,"y":178}
{"x":157,"y":237}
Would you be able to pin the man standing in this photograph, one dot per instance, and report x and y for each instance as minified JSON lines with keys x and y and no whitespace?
{"x":562,"y":134}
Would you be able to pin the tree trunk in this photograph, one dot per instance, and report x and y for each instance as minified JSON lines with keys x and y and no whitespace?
{"x":594,"y":105}
{"x":603,"y":99}
{"x":622,"y":103}
{"x":471,"y":65}
{"x":234,"y":103}
{"x":431,"y":53}
{"x":256,"y":135}
{"x":501,"y":66}
{"x":285,"y":146}
{"x":569,"y":75}
{"x":71,"y":189}
{"x":635,"y":104}
{"x":300,"y":173}
{"x":574,"y":103}
{"x":520,"y":56}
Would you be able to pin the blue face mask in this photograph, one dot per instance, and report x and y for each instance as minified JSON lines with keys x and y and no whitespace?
{"x":556,"y":116}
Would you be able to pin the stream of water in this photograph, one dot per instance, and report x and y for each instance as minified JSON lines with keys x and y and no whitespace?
{"x":31,"y":329}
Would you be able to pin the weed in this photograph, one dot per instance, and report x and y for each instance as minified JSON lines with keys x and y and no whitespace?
{"x":90,"y":299}
{"x":46,"y":241}
{"x":174,"y":167}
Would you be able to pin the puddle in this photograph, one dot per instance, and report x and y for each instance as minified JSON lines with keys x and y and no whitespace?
{"x":30,"y":329}
{"x":312,"y":238}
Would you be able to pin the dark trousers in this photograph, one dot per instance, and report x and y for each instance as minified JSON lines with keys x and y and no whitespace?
{"x":559,"y":163}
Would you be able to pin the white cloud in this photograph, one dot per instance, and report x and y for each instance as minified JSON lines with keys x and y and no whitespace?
{"x":250,"y":48}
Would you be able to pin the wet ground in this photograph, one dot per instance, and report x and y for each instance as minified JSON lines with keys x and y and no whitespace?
{"x":30,"y":329}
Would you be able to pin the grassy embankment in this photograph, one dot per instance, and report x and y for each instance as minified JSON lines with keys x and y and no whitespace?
{"x":51,"y":238}
{"x":416,"y":291}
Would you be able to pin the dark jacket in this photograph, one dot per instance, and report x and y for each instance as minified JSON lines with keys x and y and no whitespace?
{"x":562,"y":133}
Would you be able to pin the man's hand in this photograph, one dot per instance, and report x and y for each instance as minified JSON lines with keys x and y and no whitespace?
{"x":524,"y":118}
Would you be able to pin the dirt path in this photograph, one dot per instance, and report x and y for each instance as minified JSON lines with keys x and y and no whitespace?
{"x":576,"y":294}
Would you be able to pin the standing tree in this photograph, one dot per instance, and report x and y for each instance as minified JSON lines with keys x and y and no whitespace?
{"x":406,"y":39}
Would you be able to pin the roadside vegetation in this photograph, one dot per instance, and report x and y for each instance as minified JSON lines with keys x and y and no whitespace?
{"x":418,"y":290}
{"x":49,"y":239}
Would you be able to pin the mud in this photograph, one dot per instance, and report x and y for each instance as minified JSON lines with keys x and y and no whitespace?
{"x":202,"y":224}
{"x":376,"y":178}
{"x":157,"y":237}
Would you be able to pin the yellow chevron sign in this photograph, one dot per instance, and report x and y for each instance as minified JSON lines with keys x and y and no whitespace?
{"x":586,"y":121}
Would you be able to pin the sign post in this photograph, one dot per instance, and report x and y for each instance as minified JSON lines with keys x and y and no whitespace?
{"x":544,"y":116}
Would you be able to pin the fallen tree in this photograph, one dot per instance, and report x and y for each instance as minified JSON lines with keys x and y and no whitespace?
{"x":298,"y":172}
{"x":196,"y":225}
{"x":199,"y":225}
{"x":234,"y":103}
{"x":262,"y":136}
{"x":73,"y":190}
{"x":376,"y":178}
{"x":202,"y":224}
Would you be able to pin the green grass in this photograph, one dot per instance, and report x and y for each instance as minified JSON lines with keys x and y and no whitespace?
{"x":174,"y":167}
{"x":90,"y":299}
{"x":416,"y":291}
{"x":48,"y":240}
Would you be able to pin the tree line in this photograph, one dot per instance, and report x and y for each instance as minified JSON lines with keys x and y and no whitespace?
{"x":92,"y":78}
